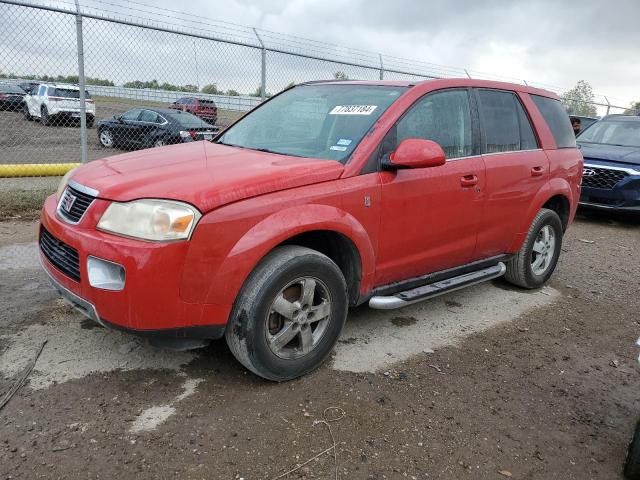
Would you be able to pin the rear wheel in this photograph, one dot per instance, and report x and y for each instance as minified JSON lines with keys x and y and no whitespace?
{"x":90,"y":121}
{"x":289,"y":314}
{"x":159,"y":142}
{"x":632,"y":465}
{"x":535,"y":262}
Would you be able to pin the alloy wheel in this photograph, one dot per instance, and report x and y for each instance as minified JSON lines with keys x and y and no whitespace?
{"x":298,"y":318}
{"x":543,"y":250}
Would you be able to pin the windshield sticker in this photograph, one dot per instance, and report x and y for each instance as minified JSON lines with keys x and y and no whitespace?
{"x":353,"y":110}
{"x":344,"y":141}
{"x":338,"y":148}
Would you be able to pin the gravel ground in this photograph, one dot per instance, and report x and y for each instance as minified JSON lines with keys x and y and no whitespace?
{"x":489,"y":382}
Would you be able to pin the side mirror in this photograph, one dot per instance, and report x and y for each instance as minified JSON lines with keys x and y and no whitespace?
{"x":416,"y":153}
{"x":117,"y":118}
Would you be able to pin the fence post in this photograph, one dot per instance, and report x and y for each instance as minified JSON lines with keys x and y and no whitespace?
{"x":263,"y":76}
{"x":381,"y":67}
{"x":608,"y":104}
{"x":83,"y":107}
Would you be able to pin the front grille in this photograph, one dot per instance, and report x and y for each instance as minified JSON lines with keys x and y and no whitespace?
{"x":73,"y":204}
{"x":595,"y":177}
{"x":61,"y":255}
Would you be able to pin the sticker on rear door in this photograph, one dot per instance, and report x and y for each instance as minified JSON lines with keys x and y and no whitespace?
{"x":353,"y":110}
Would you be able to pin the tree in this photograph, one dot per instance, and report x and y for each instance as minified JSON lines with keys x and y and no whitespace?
{"x":340,"y":75}
{"x":579,"y":100}
{"x":211,"y":89}
{"x":634,"y":109}
{"x":233,"y":93}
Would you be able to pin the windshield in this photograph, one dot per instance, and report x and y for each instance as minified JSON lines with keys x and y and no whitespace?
{"x":611,"y":132}
{"x":188,"y":120}
{"x":11,"y":89}
{"x":317,"y":121}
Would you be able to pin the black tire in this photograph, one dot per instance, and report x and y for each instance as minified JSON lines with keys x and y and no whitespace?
{"x":45,"y":119}
{"x":520,"y":269}
{"x":250,"y":322}
{"x":104,"y":135}
{"x":632,"y":464}
{"x":27,"y":115}
{"x":90,"y":122}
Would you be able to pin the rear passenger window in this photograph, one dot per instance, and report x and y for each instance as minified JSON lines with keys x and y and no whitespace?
{"x":443,"y":117}
{"x":558,"y":120}
{"x":505,"y":125}
{"x":148,"y":116}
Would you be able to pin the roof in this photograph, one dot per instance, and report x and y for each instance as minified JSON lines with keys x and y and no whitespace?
{"x":445,"y":83}
{"x":622,"y":118}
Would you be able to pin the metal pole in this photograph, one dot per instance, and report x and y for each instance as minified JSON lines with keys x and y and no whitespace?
{"x":83,"y":107}
{"x":608,"y":104}
{"x":465,"y":71}
{"x":381,"y":67}
{"x":525,"y":82}
{"x":263,"y":73}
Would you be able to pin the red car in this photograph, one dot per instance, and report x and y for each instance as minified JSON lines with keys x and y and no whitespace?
{"x":328,"y":195}
{"x":200,"y":107}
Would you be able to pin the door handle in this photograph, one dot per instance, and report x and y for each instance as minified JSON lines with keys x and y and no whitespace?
{"x":469,"y":180}
{"x":537,"y":171}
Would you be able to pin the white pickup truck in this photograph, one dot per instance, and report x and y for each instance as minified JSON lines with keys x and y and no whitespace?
{"x":56,"y":103}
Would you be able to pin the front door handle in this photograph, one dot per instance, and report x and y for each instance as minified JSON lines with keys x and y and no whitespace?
{"x":537,"y":171}
{"x":469,"y":181}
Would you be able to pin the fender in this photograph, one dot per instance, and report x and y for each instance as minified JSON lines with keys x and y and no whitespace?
{"x":275,"y":229}
{"x":555,"y":186}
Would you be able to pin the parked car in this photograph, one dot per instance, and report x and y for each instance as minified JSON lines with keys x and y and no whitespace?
{"x":29,"y":87}
{"x":152,"y":127}
{"x":328,"y":195}
{"x":11,"y":97}
{"x":200,"y":107}
{"x":632,"y":463}
{"x":58,"y":104}
{"x":611,"y":177}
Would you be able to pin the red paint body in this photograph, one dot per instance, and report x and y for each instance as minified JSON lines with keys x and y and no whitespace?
{"x":415,"y":221}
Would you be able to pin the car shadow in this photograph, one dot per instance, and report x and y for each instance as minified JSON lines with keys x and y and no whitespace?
{"x":615,"y":219}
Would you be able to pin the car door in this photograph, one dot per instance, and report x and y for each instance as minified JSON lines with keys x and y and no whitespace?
{"x":148,"y":124}
{"x":516,"y":168}
{"x":429,"y":216}
{"x":35,"y":100}
{"x":127,"y":129}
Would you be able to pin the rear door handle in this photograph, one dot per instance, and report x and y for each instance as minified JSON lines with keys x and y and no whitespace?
{"x":469,"y":180}
{"x":537,"y":171}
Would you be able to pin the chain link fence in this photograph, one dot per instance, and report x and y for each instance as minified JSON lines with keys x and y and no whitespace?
{"x":147,"y":82}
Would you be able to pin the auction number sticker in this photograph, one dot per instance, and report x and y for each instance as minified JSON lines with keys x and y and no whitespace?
{"x":353,"y":110}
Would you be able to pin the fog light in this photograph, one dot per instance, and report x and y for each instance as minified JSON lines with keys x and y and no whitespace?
{"x":104,"y":274}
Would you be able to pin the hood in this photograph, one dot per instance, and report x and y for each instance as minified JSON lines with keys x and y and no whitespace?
{"x":204,"y":174}
{"x":614,"y":153}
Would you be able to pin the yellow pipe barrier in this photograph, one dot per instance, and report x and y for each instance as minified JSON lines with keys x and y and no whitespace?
{"x":36,"y":169}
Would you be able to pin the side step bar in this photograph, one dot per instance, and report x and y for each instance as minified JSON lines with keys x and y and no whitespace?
{"x":418,"y":294}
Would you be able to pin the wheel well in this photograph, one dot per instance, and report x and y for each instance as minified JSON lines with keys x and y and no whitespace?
{"x":560,"y":205}
{"x":338,"y":248}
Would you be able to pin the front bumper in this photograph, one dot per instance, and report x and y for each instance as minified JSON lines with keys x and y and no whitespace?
{"x":150,"y":303}
{"x":624,"y":196}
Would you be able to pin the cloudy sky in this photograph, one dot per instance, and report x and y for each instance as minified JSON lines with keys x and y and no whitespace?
{"x":555,"y":43}
{"x":548,"y":41}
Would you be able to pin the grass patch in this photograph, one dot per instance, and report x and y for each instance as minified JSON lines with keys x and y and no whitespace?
{"x":22,"y":204}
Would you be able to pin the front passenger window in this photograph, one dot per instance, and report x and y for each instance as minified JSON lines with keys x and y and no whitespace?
{"x":443,"y":117}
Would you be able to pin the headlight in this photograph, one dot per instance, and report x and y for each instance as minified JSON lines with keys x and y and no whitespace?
{"x":64,"y":182}
{"x":156,"y":220}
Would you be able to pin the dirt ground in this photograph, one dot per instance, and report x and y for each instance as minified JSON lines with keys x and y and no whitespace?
{"x":489,"y":382}
{"x":23,"y":141}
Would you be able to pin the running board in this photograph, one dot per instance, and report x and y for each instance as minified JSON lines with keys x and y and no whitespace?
{"x":424,"y":292}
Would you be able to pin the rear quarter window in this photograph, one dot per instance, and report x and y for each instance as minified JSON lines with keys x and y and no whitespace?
{"x":557,"y":119}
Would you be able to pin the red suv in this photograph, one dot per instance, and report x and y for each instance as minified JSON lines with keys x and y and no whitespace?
{"x":328,"y":195}
{"x":200,"y":107}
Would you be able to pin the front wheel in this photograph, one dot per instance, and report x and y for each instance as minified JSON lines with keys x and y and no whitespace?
{"x":106,"y":138}
{"x":289,"y":314}
{"x":27,"y":115}
{"x":632,"y":465}
{"x":535,"y":262}
{"x":45,"y":118}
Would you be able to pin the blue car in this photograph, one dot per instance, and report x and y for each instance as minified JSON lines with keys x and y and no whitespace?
{"x":611,"y":174}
